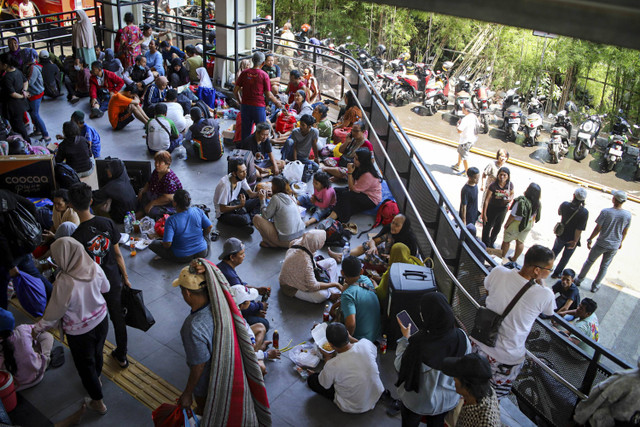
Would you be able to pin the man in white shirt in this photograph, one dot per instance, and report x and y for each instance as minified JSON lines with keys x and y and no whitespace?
{"x":502,"y":284}
{"x":161,"y":132}
{"x":175,"y":113}
{"x":351,"y":377}
{"x":233,"y":199}
{"x":468,"y":130}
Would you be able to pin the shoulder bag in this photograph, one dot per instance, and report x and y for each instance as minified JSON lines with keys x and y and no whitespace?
{"x":321,"y":274}
{"x":558,"y":229}
{"x":487,"y":322}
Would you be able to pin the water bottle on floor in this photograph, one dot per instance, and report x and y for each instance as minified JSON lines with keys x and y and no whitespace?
{"x":346,"y":250}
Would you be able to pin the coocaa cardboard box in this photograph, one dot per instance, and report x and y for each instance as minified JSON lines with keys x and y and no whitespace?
{"x":28,"y":175}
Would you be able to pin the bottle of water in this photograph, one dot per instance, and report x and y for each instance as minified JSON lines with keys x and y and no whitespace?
{"x":128,"y":227}
{"x":346,"y":251}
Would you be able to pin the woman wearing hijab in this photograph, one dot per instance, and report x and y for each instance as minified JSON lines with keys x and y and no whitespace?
{"x":205,"y":91}
{"x":177,"y":74}
{"x":84,"y":38}
{"x":297,"y":278}
{"x":15,"y":51}
{"x":117,"y":196}
{"x":14,"y":93}
{"x":111,"y":63}
{"x":399,"y":253}
{"x":78,"y":305}
{"x":423,"y":390}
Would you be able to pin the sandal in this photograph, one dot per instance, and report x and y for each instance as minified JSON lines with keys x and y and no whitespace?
{"x":123,"y":363}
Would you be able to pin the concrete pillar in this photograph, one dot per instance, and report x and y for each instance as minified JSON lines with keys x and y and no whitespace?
{"x":224,"y":69}
{"x":111,"y":20}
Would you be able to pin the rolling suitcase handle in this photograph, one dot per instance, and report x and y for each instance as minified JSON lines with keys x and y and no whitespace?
{"x":414,"y":273}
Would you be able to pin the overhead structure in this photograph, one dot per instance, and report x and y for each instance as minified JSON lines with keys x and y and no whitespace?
{"x":614,"y":22}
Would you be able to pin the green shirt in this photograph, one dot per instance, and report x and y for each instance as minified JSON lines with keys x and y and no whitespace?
{"x":360,"y":299}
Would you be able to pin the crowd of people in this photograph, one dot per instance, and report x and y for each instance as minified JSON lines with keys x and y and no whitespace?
{"x":148,"y":80}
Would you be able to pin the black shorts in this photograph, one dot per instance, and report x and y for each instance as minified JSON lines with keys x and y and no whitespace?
{"x":124,"y":119}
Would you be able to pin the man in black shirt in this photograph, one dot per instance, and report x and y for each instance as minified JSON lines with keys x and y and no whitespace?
{"x":100,"y":238}
{"x":117,"y":196}
{"x":205,"y":136}
{"x":260,"y":145}
{"x":574,"y":217}
{"x":469,"y":197}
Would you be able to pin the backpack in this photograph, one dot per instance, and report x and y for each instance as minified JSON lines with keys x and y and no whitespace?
{"x":65,"y":176}
{"x":387,"y":210}
{"x":336,"y":234}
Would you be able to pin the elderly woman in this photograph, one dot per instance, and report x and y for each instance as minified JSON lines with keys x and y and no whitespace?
{"x":337,"y":166}
{"x":75,"y":150}
{"x":84,"y":38}
{"x":185,"y":232}
{"x":423,"y":389}
{"x":156,"y":197}
{"x":78,"y":305}
{"x":364,"y":191}
{"x":323,"y":123}
{"x":297,"y":277}
{"x":283,"y":209}
{"x":128,"y":41}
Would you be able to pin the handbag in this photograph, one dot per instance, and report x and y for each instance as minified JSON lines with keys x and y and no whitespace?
{"x":321,"y":274}
{"x":487,"y":322}
{"x":558,"y":229}
{"x":136,"y":314}
{"x":293,"y":171}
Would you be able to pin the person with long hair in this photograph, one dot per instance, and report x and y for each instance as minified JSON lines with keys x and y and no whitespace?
{"x":497,"y":197}
{"x":78,"y":305}
{"x":364,"y":191}
{"x":287,"y":223}
{"x":35,"y":93}
{"x":490,"y":173}
{"x":423,"y":389}
{"x":524,"y":213}
{"x":356,"y":139}
{"x":75,"y":150}
{"x":351,"y":113}
{"x":14,"y":92}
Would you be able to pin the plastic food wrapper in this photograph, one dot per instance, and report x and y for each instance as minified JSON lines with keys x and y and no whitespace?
{"x":319,"y":334}
{"x":305,"y":356}
{"x":146,"y":225}
{"x":124,"y":239}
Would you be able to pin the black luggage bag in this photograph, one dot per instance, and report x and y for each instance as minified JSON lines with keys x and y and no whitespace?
{"x":407,"y":284}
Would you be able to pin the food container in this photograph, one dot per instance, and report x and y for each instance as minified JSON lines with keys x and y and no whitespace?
{"x":307,"y":356}
{"x":319,"y":334}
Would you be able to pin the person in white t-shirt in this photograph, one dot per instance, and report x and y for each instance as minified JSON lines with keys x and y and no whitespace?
{"x":468,"y":130}
{"x":161,"y":132}
{"x":351,"y":377}
{"x":175,"y":113}
{"x":502,"y":284}
{"x":233,"y":199}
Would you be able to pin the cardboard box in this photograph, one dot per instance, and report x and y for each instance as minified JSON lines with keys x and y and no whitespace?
{"x":28,"y":175}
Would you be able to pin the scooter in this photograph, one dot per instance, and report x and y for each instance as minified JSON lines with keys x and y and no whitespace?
{"x":616,"y":146}
{"x":436,"y":94}
{"x":533,"y":122}
{"x":587,"y":135}
{"x":480,"y":100}
{"x":511,"y":113}
{"x":558,"y":145}
{"x":463,"y":87}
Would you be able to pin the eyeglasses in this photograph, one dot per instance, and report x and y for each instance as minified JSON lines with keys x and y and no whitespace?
{"x":544,"y":268}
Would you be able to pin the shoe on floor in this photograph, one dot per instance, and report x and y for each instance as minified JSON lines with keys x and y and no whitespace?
{"x":595,"y":289}
{"x":88,"y":401}
{"x":394,"y":408}
{"x":123,"y":363}
{"x":455,"y":168}
{"x":57,"y":358}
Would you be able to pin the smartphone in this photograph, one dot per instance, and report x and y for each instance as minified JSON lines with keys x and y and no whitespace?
{"x":406,"y":320}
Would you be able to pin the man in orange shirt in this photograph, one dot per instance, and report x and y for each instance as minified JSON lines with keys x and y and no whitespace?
{"x":124,"y":106}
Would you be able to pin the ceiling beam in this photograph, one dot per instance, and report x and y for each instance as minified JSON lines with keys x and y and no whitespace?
{"x":614,"y":22}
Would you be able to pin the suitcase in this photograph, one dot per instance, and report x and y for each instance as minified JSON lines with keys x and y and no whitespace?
{"x":407,"y":284}
{"x":249,"y":161}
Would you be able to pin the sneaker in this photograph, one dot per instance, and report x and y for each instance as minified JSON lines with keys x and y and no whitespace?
{"x":456,"y":168}
{"x":45,"y":140}
{"x":394,"y":408}
{"x":595,"y":288}
{"x":74,"y":99}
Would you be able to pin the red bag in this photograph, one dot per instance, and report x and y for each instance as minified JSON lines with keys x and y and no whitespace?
{"x":168,"y":415}
{"x":159,"y":227}
{"x":340,"y":135}
{"x":286,"y":123}
{"x":387,"y":210}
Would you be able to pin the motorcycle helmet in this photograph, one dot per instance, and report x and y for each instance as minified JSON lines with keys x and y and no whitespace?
{"x":305,"y":27}
{"x":447,"y":66}
{"x":569,"y":106}
{"x":405,"y":56}
{"x":381,"y":50}
{"x":211,"y":5}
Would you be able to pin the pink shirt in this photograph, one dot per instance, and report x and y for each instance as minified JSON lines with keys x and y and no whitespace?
{"x":325,"y":198}
{"x":369,"y":185}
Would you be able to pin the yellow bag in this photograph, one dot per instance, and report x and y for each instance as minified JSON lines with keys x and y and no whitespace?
{"x":336,"y":150}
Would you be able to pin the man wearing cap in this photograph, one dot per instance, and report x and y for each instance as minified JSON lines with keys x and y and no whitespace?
{"x":472,"y":375}
{"x":88,"y":132}
{"x":232,"y":256}
{"x":50,"y":75}
{"x":468,"y":130}
{"x":611,"y":228}
{"x":574,"y":218}
{"x":197,"y":338}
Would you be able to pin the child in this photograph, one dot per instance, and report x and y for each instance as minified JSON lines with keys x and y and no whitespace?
{"x":569,"y":297}
{"x":469,"y":197}
{"x":322,"y":200}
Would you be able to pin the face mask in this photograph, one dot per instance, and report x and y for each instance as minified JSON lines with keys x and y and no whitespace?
{"x":140,"y":67}
{"x":78,"y":67}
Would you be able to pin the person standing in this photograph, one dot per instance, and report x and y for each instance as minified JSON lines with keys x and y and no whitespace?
{"x":469,"y":197}
{"x":100,"y":238}
{"x":26,"y":9}
{"x":468,"y":130}
{"x":574,"y":222}
{"x":525,"y":212}
{"x":507,"y":356}
{"x":252,"y":87}
{"x":496,"y":203}
{"x":128,"y":41}
{"x":14,"y":93}
{"x":611,"y":228}
{"x":84,"y":38}
{"x":35,"y":93}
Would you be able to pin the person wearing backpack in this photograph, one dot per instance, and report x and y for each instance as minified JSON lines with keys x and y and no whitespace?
{"x":15,"y":256}
{"x":205,"y":136}
{"x":468,"y":130}
{"x":162,"y":134}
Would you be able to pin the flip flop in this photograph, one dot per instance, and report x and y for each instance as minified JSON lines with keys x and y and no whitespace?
{"x":351,"y":227}
{"x":57,"y":358}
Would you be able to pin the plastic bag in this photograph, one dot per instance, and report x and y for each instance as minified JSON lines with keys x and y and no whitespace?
{"x":146,"y":225}
{"x":31,"y":293}
{"x":168,"y":415}
{"x":293,"y":171}
{"x":136,"y":314}
{"x":159,"y":225}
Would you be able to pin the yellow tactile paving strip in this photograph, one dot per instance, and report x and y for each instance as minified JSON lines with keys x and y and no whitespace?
{"x":137,"y":380}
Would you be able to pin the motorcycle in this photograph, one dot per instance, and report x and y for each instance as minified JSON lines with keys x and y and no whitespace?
{"x":436,"y":94}
{"x":587,"y":135}
{"x":480,"y":100}
{"x":463,"y":87}
{"x":511,"y":113}
{"x":533,"y":122}
{"x":558,"y":144}
{"x":616,"y":145}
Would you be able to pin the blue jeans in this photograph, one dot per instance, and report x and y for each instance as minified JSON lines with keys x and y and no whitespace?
{"x":37,"y":120}
{"x":558,"y":246}
{"x":319,"y":214}
{"x":594,"y":254}
{"x":287,"y":150}
{"x":26,"y":265}
{"x":251,"y":115}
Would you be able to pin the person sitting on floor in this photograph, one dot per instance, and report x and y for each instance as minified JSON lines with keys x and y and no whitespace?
{"x":301,"y":141}
{"x":154,"y":60}
{"x":205,"y":136}
{"x":231,"y":257}
{"x":161,"y":131}
{"x":138,"y":74}
{"x":287,"y":223}
{"x":192,"y":63}
{"x":323,"y":123}
{"x":322,"y":201}
{"x":296,"y":83}
{"x":260,"y":145}
{"x":155,"y":94}
{"x":351,"y":113}
{"x":350,"y":377}
{"x":116,"y":197}
{"x":177,"y":74}
{"x":111,"y":63}
{"x":88,"y":132}
{"x":175,"y":113}
{"x":102,"y":86}
{"x":185,"y":232}
{"x":50,"y":75}
{"x":337,"y":166}
{"x":169,"y":53}
{"x":297,"y":276}
{"x":62,"y":212}
{"x":75,"y":150}
{"x":156,"y":197}
{"x":233,"y":199}
{"x":77,"y":80}
{"x":399,"y":253}
{"x":586,"y":323}
{"x":124,"y":106}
